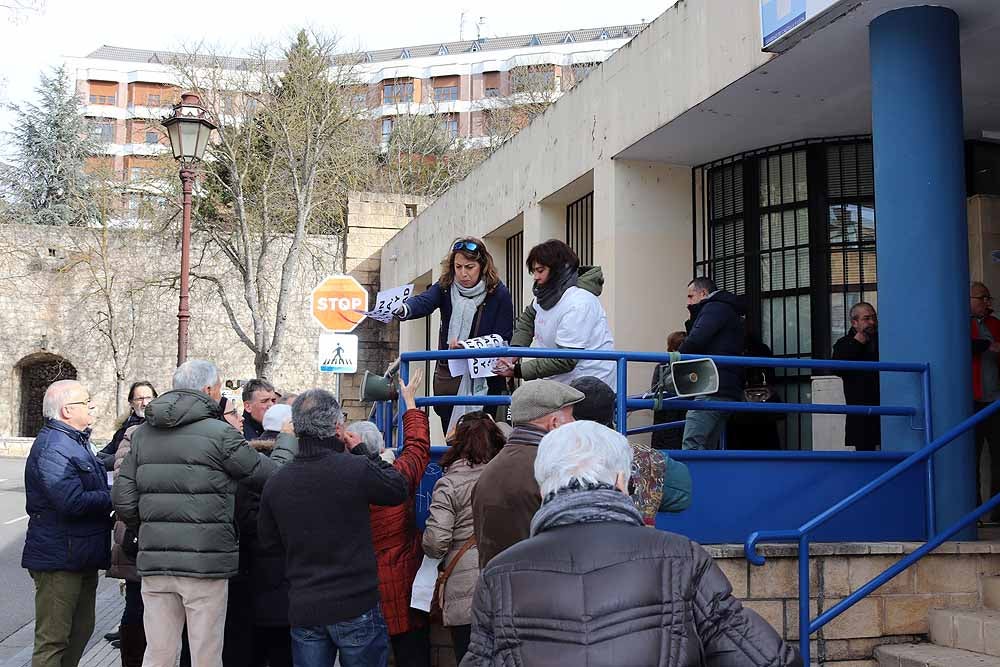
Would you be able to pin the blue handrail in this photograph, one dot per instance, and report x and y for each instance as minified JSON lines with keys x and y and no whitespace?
{"x":626,"y":403}
{"x":802,"y":532}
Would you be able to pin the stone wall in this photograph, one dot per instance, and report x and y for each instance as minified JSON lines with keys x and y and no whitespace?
{"x":895,"y":613}
{"x":49,"y":306}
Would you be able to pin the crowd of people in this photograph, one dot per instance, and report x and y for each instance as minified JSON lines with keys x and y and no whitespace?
{"x":265,"y":530}
{"x":278,"y":534}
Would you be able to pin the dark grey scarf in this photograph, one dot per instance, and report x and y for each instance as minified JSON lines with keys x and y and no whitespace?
{"x":548,"y":295}
{"x":581,"y":502}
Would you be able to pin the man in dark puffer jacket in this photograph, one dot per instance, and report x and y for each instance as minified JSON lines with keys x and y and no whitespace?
{"x":69,"y":525}
{"x":716,"y":328}
{"x":178,"y":486}
{"x":592,"y":586}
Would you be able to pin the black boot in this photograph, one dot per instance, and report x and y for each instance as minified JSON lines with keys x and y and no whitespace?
{"x":133,"y":645}
{"x":113,"y":636}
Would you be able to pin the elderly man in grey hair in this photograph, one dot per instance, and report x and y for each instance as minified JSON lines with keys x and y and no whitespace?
{"x":372,"y":441}
{"x":69,"y":525}
{"x":315,"y":509}
{"x":177,"y":488}
{"x":593,"y":586}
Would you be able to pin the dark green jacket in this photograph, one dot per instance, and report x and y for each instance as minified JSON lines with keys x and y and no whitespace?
{"x":178,"y":485}
{"x":591,"y":279}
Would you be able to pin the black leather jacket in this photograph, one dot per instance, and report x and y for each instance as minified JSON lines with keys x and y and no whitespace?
{"x":615,"y":594}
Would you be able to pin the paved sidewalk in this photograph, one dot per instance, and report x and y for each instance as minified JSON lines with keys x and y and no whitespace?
{"x":15,"y":651}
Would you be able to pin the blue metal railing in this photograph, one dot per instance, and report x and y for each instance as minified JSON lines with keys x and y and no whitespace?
{"x":627,"y":403}
{"x":801,"y":534}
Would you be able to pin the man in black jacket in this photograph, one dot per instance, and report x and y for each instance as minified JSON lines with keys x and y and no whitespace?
{"x":862,"y":432}
{"x":715,"y":328}
{"x":316,"y":510}
{"x":258,"y":396}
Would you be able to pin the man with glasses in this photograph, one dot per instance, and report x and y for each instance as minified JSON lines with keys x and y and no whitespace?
{"x":862,"y":432}
{"x":985,"y":330}
{"x":69,"y":525}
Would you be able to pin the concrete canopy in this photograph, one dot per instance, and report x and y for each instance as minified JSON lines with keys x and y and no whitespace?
{"x":820,"y":87}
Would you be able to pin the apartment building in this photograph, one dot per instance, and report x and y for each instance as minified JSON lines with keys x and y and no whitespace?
{"x":127,"y":90}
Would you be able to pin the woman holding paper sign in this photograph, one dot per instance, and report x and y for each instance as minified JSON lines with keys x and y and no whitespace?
{"x":473,"y":303}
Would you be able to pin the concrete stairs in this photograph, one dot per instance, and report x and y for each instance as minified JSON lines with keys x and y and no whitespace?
{"x":958,"y":637}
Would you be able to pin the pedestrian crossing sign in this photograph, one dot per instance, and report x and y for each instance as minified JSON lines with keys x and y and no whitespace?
{"x":338,"y":353}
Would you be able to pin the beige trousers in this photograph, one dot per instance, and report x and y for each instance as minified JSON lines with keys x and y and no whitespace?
{"x":169,"y":601}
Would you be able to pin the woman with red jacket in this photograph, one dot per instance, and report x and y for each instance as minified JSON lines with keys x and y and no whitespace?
{"x":397,"y":541}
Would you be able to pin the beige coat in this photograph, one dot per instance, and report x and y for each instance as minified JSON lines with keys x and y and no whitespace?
{"x":449,"y":525}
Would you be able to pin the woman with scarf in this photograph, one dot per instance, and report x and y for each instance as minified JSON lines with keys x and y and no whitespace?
{"x":473,"y":303}
{"x":594,"y":586}
{"x":139,"y":396}
{"x":566,"y":313}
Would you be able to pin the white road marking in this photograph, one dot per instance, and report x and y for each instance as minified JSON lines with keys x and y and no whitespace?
{"x":3,"y":480}
{"x":20,"y":518}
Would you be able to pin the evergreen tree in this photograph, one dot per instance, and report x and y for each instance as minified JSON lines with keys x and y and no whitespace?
{"x":47,"y":182}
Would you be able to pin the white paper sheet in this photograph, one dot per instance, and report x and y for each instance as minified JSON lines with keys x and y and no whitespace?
{"x":476,"y":368}
{"x":423,"y":584}
{"x":387,"y":301}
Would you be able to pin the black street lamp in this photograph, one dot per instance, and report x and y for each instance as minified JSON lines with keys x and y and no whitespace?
{"x":189,"y":129}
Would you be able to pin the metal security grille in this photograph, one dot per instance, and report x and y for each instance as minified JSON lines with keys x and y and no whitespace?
{"x":36,"y":376}
{"x":792,"y":227}
{"x":580,"y":228}
{"x":515,"y":270}
{"x":851,"y":232}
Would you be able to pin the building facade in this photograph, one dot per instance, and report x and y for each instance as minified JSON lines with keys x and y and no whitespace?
{"x":127,"y":90}
{"x":695,"y":151}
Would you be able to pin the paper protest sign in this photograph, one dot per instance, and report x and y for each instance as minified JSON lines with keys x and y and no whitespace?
{"x":388,"y":301}
{"x":476,"y":368}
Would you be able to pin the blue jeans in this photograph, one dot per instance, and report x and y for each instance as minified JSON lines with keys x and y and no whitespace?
{"x":361,"y":642}
{"x":703,"y":428}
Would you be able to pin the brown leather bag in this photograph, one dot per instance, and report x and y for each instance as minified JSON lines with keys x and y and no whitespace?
{"x":436,"y":612}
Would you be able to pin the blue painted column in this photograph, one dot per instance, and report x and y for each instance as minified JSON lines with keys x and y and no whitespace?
{"x":922,"y":244}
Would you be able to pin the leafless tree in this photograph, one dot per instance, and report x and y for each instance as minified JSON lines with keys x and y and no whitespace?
{"x":288,"y":147}
{"x":19,"y":10}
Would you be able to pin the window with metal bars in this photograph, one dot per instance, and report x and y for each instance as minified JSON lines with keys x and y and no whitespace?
{"x":580,"y":228}
{"x":516,"y":271}
{"x":792,"y":228}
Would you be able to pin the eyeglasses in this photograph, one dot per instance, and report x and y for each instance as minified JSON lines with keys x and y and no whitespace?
{"x":90,"y":408}
{"x":984,"y":298}
{"x":230,"y":412}
{"x":467,"y":246}
{"x":142,"y":399}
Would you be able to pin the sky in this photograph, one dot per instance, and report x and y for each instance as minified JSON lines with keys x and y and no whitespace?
{"x":67,"y":28}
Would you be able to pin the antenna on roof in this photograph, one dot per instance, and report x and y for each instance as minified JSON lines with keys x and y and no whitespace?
{"x":479,"y":25}
{"x":461,"y":27}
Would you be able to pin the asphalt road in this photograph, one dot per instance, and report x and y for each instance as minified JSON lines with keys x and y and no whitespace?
{"x":17,"y":601}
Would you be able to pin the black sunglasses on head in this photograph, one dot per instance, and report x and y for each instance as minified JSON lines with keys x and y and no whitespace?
{"x":467,"y":246}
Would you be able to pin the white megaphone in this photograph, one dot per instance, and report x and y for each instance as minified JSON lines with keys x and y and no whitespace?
{"x":695,"y":377}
